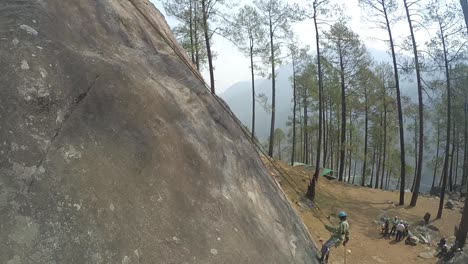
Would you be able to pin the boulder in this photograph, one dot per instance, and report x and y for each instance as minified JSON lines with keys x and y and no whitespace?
{"x":425,"y":238}
{"x":449,"y":204}
{"x":423,"y":229}
{"x":428,"y":254}
{"x":412,"y":240}
{"x":451,"y":239}
{"x":433,"y":228}
{"x":112,"y":150}
{"x":422,"y":222}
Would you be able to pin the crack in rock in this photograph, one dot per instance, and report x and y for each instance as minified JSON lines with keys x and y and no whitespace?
{"x":76,"y":103}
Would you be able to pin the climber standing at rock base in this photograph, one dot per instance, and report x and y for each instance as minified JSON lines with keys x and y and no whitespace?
{"x":340,"y":235}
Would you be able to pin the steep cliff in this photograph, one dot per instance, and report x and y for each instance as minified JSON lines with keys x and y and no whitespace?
{"x":113,"y":151}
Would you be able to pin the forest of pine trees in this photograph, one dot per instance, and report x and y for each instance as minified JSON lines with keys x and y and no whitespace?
{"x":348,"y":111}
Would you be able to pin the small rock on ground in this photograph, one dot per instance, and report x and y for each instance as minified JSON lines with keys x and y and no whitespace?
{"x":427,"y":255}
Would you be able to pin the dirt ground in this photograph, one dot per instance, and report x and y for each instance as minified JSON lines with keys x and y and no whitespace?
{"x":364,"y":206}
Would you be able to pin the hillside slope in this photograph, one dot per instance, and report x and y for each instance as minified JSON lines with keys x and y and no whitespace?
{"x":364,"y":206}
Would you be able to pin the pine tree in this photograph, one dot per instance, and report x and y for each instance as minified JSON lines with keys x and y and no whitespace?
{"x":347,"y":53}
{"x":445,"y":48}
{"x":276,"y":17}
{"x":249,"y":37}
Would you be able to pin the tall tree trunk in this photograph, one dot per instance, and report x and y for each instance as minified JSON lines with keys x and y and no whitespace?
{"x":192,"y":47}
{"x":195,"y":32}
{"x":463,"y":228}
{"x":311,"y":146}
{"x":208,"y":45}
{"x":273,"y":89}
{"x":332,"y":161}
{"x":444,"y":186}
{"x":441,"y":177}
{"x":325,"y":133}
{"x":436,"y":166}
{"x":300,"y":129}
{"x":331,"y":132}
{"x":311,"y":188}
{"x":384,"y":141}
{"x":253,"y":93}
{"x":306,"y":132}
{"x":451,"y":161}
{"x":414,"y":198}
{"x":377,"y":175}
{"x":343,"y":119}
{"x":377,"y":170}
{"x":400,"y":111}
{"x":338,"y":143}
{"x":415,"y":154}
{"x":449,"y":117}
{"x":350,"y":165}
{"x":330,"y":135}
{"x":373,"y":167}
{"x":320,"y":92}
{"x":465,"y":154}
{"x":366,"y":128}
{"x":388,"y":179}
{"x":354,"y":171}
{"x":457,"y":156}
{"x":398,"y":183}
{"x":294,"y":113}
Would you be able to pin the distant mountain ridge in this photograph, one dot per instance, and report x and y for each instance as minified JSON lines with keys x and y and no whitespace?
{"x":239,"y":97}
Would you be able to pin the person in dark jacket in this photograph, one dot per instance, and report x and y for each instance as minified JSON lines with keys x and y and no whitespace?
{"x":386,"y":227}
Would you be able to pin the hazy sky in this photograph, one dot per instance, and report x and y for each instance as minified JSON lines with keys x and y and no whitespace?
{"x":231,"y":66}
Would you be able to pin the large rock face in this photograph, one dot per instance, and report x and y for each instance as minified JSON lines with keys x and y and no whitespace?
{"x":112,"y":151}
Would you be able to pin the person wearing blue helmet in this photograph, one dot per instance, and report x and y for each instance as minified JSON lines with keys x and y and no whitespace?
{"x":341,"y":235}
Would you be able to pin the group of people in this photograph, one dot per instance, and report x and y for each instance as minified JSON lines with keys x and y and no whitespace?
{"x":399,"y":228}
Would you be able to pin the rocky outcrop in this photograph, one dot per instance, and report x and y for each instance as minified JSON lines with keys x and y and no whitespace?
{"x":113,"y":151}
